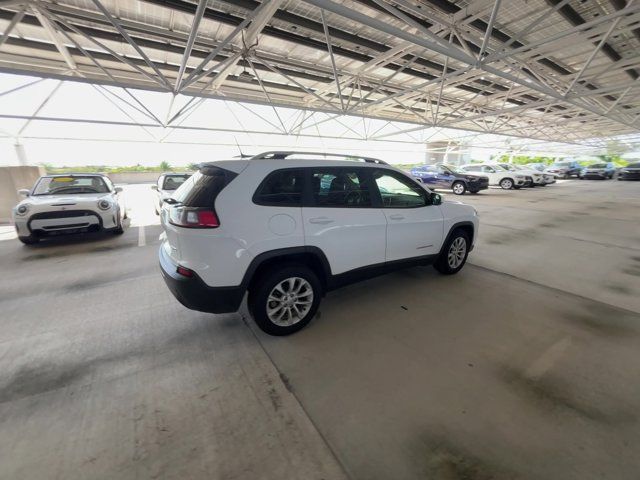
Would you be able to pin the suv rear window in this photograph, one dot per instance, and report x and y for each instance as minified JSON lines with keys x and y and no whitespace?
{"x":202,"y":188}
{"x":282,"y":188}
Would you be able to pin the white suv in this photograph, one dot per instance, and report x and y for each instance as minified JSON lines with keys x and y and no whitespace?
{"x":498,"y":175}
{"x":287,"y":229}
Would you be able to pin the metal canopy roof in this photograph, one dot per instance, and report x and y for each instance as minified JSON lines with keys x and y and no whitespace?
{"x":557,"y":70}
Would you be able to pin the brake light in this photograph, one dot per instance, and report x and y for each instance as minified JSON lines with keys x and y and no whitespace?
{"x":193,"y":217}
{"x":185,"y":272}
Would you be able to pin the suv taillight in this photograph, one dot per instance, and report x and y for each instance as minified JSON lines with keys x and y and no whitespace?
{"x":192,"y":217}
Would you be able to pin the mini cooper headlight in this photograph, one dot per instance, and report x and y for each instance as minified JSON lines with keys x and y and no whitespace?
{"x":104,"y":204}
{"x":22,"y":209}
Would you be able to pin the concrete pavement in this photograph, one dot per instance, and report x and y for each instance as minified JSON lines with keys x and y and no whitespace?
{"x":522,"y":366}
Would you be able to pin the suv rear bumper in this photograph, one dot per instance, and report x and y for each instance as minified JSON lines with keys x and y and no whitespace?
{"x":194,"y":294}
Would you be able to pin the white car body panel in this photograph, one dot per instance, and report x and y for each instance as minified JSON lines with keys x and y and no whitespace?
{"x":350,"y":238}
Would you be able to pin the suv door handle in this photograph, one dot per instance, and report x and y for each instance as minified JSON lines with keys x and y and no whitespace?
{"x":320,"y":220}
{"x":396,"y":216}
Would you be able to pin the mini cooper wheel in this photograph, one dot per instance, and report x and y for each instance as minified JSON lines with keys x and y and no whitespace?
{"x":506,"y":184}
{"x":454,"y":253}
{"x":29,"y":240}
{"x":119,"y":230}
{"x":459,"y":188}
{"x":285,"y":299}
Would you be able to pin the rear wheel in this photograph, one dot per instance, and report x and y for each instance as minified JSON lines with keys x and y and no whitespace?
{"x":506,"y":184}
{"x":454,"y":253}
{"x":459,"y":188}
{"x":285,"y":299}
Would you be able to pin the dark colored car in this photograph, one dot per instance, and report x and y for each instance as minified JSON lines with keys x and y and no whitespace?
{"x":601,"y":171}
{"x":565,"y":169}
{"x":449,"y":177}
{"x":630,"y":172}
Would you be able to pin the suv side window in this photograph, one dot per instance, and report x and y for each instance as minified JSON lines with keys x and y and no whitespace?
{"x":487,"y":169}
{"x":472,"y":168}
{"x":346,"y":188}
{"x":282,"y":188}
{"x":398,"y":192}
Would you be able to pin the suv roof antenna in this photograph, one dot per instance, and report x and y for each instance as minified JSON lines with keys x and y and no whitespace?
{"x":242,"y":155}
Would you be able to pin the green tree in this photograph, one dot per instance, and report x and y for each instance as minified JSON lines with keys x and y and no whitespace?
{"x":164,"y":166}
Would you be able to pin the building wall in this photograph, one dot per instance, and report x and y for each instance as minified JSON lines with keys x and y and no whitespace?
{"x":13,"y":179}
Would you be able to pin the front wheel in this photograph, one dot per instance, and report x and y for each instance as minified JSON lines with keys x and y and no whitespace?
{"x":285,"y":299}
{"x":454,"y":253}
{"x":506,"y":184}
{"x":29,"y":240}
{"x":459,"y":188}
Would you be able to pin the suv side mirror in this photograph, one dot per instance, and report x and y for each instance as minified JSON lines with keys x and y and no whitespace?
{"x":154,"y":187}
{"x":436,"y":199}
{"x":118,"y":189}
{"x":24,"y":192}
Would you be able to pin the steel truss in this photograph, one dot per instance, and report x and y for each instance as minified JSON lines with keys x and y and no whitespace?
{"x":551,"y":70}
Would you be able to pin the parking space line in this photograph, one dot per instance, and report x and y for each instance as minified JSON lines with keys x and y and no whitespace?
{"x":544,"y":362}
{"x":142,"y":241}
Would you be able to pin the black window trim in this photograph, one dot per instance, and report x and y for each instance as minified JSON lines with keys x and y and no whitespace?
{"x":257,"y":201}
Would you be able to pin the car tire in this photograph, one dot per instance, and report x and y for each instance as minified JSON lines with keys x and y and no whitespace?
{"x":506,"y":184}
{"x":119,"y":230}
{"x":566,"y":176}
{"x":29,"y":240}
{"x":294,"y":278}
{"x":459,"y":188}
{"x":454,"y":253}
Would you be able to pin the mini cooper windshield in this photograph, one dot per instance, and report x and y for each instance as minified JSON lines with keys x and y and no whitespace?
{"x":70,"y":185}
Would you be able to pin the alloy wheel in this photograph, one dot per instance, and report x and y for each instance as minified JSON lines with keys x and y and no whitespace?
{"x":289,"y":301}
{"x":457,"y":252}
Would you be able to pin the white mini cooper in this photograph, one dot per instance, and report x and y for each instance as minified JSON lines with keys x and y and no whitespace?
{"x":65,"y":204}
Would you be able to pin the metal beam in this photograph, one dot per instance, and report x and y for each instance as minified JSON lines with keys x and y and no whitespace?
{"x":14,"y":21}
{"x":249,"y":39}
{"x":130,"y":41}
{"x":53,"y":35}
{"x":197,"y":18}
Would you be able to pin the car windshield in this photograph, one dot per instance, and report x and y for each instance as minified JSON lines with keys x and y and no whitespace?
{"x":634,"y":165}
{"x":70,"y":185}
{"x":172,"y":182}
{"x":598,"y":165}
{"x":453,"y":169}
{"x":561,"y":164}
{"x":506,"y":166}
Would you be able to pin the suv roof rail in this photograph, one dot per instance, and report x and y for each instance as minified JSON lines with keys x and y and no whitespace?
{"x":281,"y":155}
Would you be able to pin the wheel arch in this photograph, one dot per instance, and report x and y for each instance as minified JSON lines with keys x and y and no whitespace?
{"x":467,"y":226}
{"x":309,"y":256}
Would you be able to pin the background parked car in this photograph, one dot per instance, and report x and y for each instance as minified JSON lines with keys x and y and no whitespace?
{"x":537,"y":166}
{"x":564,"y":169}
{"x":630,"y":172}
{"x":69,"y":204}
{"x":450,"y":177}
{"x":538,"y":179}
{"x":166,"y":185}
{"x":600,"y":171}
{"x":497,"y":175}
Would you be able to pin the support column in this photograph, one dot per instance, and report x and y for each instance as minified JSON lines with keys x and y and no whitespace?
{"x":21,"y":153}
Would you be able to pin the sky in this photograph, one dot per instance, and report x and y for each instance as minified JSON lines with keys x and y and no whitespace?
{"x":214,"y":130}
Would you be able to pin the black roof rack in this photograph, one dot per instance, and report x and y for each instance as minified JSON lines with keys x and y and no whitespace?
{"x":281,"y":155}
